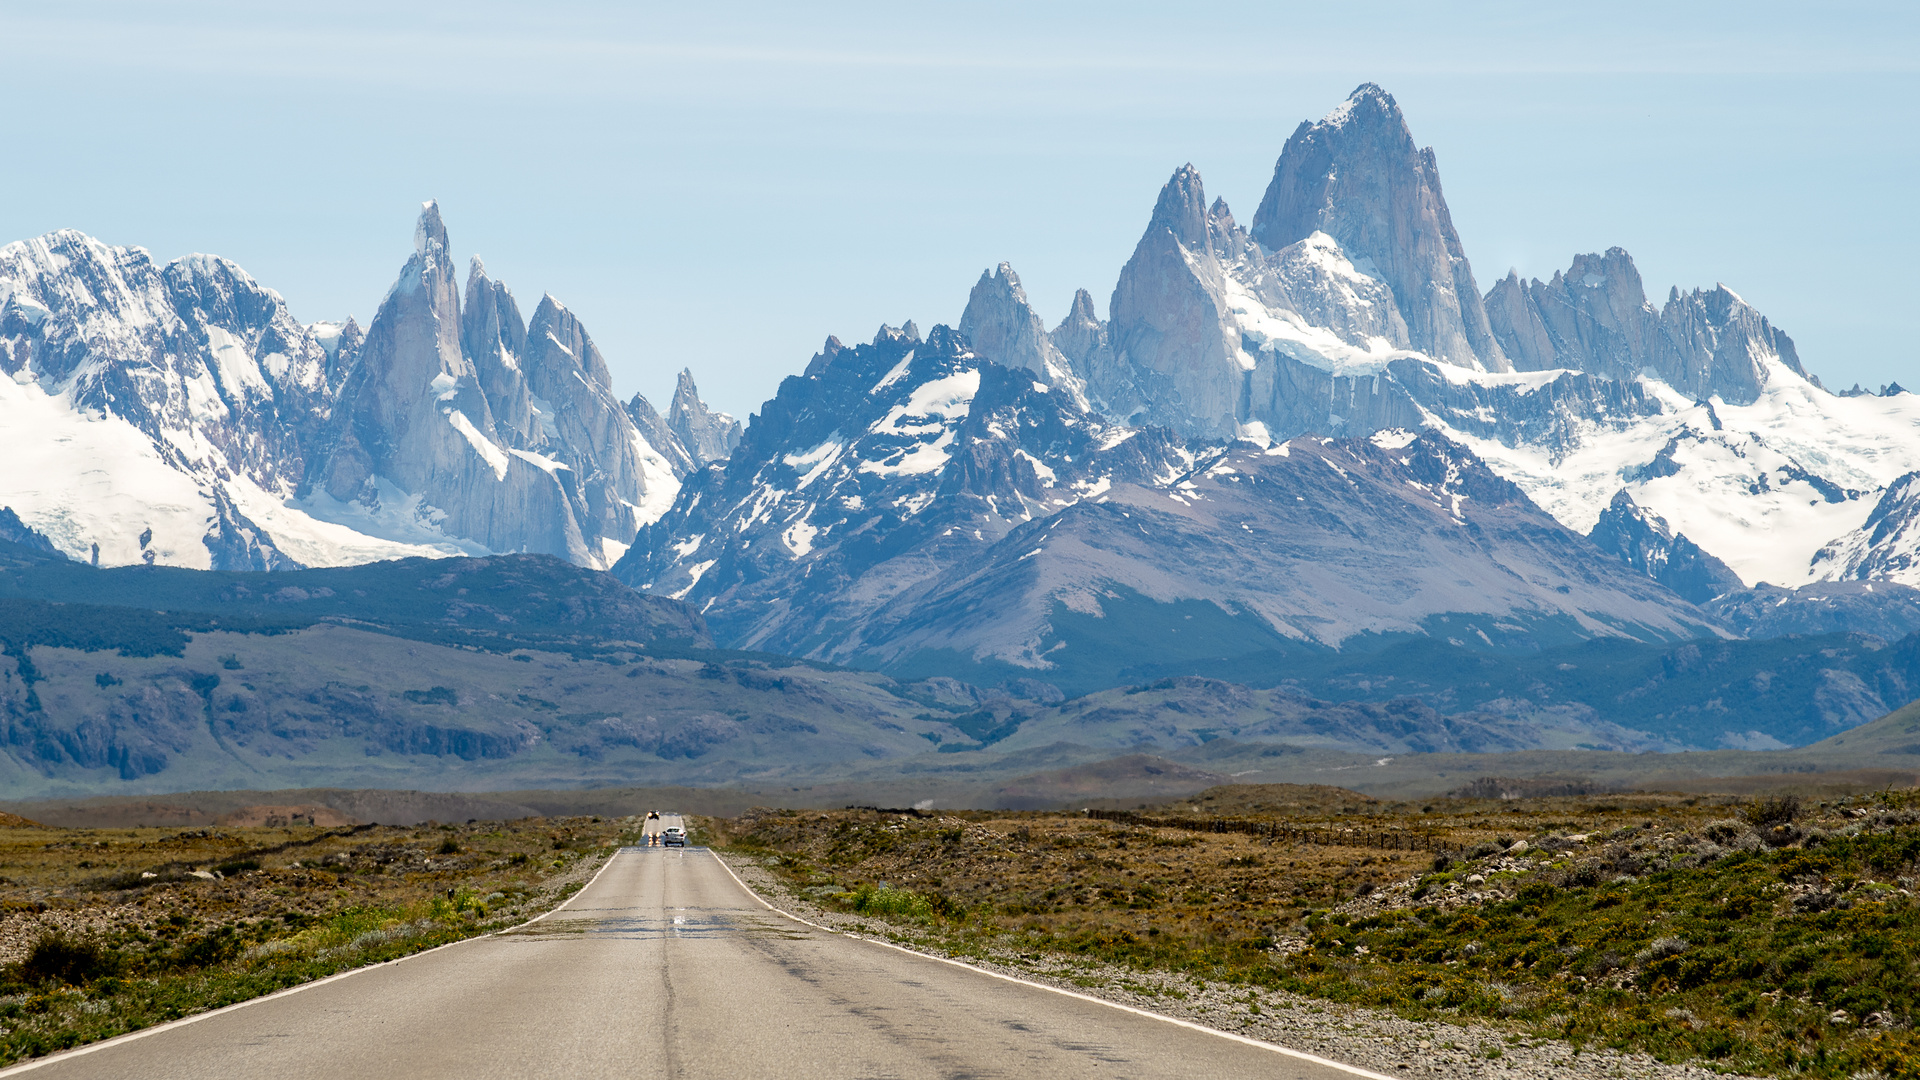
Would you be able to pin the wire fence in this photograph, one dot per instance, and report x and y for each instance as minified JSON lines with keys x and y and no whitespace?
{"x":1284,"y":832}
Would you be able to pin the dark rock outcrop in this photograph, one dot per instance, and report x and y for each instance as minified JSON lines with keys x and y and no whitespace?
{"x":1642,"y":540}
{"x":15,"y":531}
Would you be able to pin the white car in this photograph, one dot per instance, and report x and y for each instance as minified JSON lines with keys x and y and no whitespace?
{"x":673,"y":836}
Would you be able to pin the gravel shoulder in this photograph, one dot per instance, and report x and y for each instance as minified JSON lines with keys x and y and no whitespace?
{"x":1369,"y":1038}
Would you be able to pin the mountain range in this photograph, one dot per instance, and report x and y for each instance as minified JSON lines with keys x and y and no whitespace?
{"x":1319,"y":429}
{"x":1302,"y":483}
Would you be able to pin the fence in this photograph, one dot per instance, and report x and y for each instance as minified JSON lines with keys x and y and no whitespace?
{"x":1278,"y":832}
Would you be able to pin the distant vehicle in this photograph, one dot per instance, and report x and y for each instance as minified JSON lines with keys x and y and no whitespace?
{"x":673,"y":836}
{"x":653,"y":815}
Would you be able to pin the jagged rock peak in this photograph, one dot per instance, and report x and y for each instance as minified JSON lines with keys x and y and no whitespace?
{"x":554,"y":322}
{"x":1182,"y":207}
{"x":1886,"y":547}
{"x":1082,"y":338}
{"x":1081,"y":311}
{"x":430,"y":233}
{"x":1369,"y":103}
{"x":1220,"y":216}
{"x":824,"y":358}
{"x":909,"y":332}
{"x":1003,"y":327}
{"x":708,"y":436}
{"x":1644,"y":541}
{"x":1594,"y":316}
{"x":653,"y":427}
{"x":1358,"y":177}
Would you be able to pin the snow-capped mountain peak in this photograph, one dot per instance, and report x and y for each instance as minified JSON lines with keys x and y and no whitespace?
{"x":179,"y":414}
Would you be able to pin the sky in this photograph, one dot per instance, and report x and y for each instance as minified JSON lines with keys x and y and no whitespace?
{"x":721,"y":186}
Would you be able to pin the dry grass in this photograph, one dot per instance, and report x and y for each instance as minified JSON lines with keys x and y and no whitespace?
{"x":1769,"y":936}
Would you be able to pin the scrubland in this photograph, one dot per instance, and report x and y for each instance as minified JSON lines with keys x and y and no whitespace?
{"x":106,"y":931}
{"x":1764,"y":936}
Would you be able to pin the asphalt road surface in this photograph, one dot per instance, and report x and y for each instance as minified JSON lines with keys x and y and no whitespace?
{"x":665,"y":966}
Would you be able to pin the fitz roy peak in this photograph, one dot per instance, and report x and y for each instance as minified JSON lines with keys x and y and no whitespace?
{"x":180,"y":415}
{"x":1358,"y":178}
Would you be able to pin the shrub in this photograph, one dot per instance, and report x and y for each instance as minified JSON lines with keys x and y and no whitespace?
{"x":458,"y":904}
{"x":56,"y":957}
{"x":1583,"y":876}
{"x":903,"y":903}
{"x":1660,"y":949}
{"x":1766,"y":813}
{"x":209,"y":950}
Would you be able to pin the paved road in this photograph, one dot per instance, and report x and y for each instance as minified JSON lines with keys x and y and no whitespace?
{"x":666,"y":967}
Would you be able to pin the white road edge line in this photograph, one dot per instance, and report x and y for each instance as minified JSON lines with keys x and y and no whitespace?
{"x":1286,"y":1051}
{"x":81,"y":1051}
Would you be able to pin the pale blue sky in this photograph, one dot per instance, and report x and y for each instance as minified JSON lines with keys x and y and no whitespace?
{"x":722,"y":186}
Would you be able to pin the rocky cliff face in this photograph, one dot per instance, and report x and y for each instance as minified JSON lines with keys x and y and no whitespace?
{"x":493,"y":335}
{"x":1082,"y":338}
{"x":653,"y":428}
{"x":622,"y":480}
{"x":1357,"y":177}
{"x":706,"y":436}
{"x":180,"y":415}
{"x":1002,"y":327}
{"x":1170,"y":320}
{"x":1217,"y":336}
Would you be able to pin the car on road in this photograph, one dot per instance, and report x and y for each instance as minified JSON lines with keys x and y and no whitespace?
{"x":673,"y":836}
{"x":653,"y":815}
